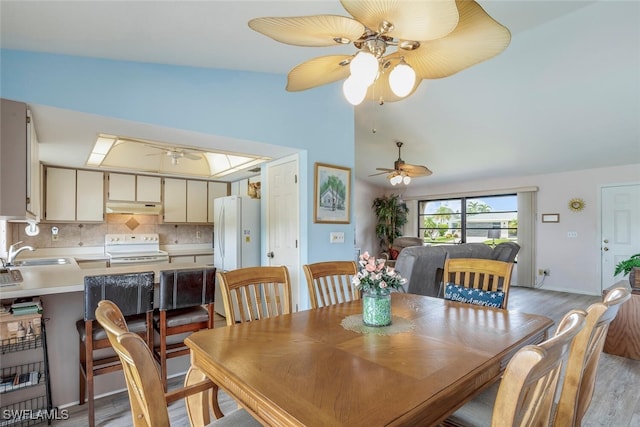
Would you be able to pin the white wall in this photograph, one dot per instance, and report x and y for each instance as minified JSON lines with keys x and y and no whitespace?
{"x":364,"y":219}
{"x":574,"y":263}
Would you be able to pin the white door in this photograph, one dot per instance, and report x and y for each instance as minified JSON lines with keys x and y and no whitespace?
{"x":283,"y":240}
{"x":620,"y":210}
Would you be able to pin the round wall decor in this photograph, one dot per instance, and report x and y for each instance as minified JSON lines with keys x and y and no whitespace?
{"x":576,"y":204}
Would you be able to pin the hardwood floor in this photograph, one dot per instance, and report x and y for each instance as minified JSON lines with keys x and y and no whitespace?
{"x":616,"y":401}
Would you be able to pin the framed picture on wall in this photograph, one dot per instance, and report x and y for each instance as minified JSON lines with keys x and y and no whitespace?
{"x":331,"y":194}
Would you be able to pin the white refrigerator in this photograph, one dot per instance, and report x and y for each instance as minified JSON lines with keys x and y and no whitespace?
{"x":236,"y":237}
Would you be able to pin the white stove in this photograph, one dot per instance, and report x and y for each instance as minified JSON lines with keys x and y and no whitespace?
{"x":134,"y":249}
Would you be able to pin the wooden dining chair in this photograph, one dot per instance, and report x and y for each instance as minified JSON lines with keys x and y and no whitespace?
{"x":528,"y":387}
{"x":148,"y":401}
{"x":254,"y":293}
{"x":584,"y":355}
{"x":185,"y":304}
{"x":477,"y":281}
{"x":133,"y":292}
{"x":330,"y":282}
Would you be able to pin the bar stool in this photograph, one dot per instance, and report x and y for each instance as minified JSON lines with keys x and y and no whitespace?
{"x":185,"y":305}
{"x":133,"y":293}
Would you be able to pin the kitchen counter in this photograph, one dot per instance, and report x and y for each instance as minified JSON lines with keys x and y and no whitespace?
{"x":55,"y":279}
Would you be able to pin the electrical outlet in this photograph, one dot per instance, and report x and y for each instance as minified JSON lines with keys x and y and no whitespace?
{"x":336,"y":237}
{"x":543,"y":272}
{"x":198,"y":234}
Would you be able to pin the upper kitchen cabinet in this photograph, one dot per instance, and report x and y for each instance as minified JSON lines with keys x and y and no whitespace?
{"x":20,"y":165}
{"x":215,"y":190}
{"x":74,"y":195}
{"x":134,"y":188}
{"x":185,"y":201}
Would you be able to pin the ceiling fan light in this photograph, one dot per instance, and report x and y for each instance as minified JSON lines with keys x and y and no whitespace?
{"x":406,"y":180}
{"x":402,"y":79}
{"x":354,"y":90}
{"x":364,"y":67}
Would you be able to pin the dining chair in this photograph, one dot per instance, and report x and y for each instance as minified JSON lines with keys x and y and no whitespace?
{"x":584,"y":355}
{"x":133,"y":292}
{"x":149,"y":403}
{"x":527,"y":390}
{"x":477,"y":281}
{"x":185,"y":304}
{"x":330,"y":282}
{"x":253,"y":293}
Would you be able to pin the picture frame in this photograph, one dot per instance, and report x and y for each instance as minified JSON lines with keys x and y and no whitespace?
{"x":331,"y":194}
{"x":551,"y":217}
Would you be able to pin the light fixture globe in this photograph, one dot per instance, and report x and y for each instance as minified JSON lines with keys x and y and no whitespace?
{"x":354,"y":90}
{"x":402,"y":79}
{"x":364,"y":67}
{"x":406,"y":180}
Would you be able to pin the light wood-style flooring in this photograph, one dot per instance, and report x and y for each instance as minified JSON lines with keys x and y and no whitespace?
{"x":616,"y":401}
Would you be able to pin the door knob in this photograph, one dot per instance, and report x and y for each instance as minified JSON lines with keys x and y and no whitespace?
{"x":270,"y":254}
{"x":605,"y":249}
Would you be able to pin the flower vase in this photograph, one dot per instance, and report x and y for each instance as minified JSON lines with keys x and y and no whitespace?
{"x":376,"y":309}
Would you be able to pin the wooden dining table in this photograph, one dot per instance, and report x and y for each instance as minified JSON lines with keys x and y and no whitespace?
{"x":307,"y":369}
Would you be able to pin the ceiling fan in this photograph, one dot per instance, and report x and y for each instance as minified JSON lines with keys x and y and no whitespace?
{"x":175,"y":154}
{"x":432,"y":39}
{"x":403,"y":172}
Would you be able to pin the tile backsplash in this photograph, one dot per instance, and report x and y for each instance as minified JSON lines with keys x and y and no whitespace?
{"x":74,"y":235}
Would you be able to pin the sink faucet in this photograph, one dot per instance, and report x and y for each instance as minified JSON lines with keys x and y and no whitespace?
{"x":13,"y":253}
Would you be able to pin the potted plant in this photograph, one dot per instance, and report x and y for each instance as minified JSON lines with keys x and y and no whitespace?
{"x":391,"y":214}
{"x":630,"y":266}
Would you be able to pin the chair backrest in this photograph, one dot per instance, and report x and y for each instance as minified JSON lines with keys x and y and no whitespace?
{"x":132,"y":292}
{"x":530,"y":381}
{"x":254,"y":293}
{"x":490,"y":278}
{"x":146,"y":394}
{"x":584,"y":355}
{"x":330,"y":282}
{"x":187,"y":287}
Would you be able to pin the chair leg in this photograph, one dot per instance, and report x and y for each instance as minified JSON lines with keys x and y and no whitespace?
{"x":89,"y":370}
{"x":82,"y":369}
{"x":163,"y":348}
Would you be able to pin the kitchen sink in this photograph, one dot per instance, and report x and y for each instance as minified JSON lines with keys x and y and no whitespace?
{"x":41,"y":261}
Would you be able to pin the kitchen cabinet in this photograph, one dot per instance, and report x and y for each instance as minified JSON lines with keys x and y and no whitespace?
{"x":185,"y":201}
{"x":215,"y":190}
{"x":74,"y":195}
{"x":134,"y":188}
{"x":19,"y":163}
{"x":197,"y":195}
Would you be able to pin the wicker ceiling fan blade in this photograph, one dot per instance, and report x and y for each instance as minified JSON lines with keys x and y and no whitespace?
{"x":190,"y":156}
{"x":314,"y":31}
{"x":380,"y":91}
{"x":415,"y":170}
{"x":381,"y":173}
{"x":317,"y":72}
{"x":411,"y":20}
{"x":477,"y":37}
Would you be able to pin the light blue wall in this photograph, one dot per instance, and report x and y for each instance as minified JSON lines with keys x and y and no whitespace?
{"x":243,"y":105}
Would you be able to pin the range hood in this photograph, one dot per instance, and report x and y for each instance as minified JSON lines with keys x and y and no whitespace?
{"x":133,"y":208}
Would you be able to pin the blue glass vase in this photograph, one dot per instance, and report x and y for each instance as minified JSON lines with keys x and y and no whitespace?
{"x":376,"y":309}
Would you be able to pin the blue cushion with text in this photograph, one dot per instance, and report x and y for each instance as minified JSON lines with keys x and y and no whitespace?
{"x":459,"y":293}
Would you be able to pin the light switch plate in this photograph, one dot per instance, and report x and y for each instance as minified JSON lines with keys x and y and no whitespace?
{"x":336,"y":237}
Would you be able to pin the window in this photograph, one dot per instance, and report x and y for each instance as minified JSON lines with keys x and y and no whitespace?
{"x":483,"y":219}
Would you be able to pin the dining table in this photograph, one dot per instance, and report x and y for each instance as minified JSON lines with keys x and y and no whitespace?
{"x":323,"y":367}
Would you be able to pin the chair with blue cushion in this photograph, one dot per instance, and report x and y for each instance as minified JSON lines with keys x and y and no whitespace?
{"x":477,"y":281}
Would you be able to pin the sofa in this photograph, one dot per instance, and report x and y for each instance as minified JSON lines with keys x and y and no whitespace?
{"x":423,"y":266}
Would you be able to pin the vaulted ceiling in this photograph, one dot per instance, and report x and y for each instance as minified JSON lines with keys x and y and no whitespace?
{"x":565,"y":95}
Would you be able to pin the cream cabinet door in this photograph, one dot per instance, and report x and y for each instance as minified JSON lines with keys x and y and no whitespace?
{"x":148,"y":189}
{"x":60,"y":197}
{"x":122,"y":187}
{"x":197,"y":194}
{"x":90,"y":196}
{"x":175,"y":200}
{"x":215,"y":189}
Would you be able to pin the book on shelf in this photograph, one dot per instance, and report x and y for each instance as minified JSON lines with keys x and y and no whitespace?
{"x":10,"y":382}
{"x":26,"y":307}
